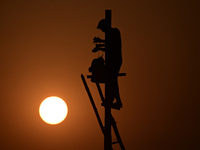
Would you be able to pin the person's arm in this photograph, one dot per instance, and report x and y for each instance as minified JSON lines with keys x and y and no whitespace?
{"x":98,"y":40}
{"x":100,"y":45}
{"x":98,"y":48}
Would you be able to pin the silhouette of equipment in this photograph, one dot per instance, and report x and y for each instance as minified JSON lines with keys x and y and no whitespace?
{"x":107,"y":72}
{"x":98,"y":70}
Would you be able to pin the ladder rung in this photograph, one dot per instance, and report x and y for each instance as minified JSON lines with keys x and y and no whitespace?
{"x":115,"y":142}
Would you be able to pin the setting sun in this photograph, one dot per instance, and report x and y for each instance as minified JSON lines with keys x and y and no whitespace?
{"x":53,"y":110}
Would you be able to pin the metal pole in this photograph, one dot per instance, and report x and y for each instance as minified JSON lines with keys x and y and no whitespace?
{"x":108,"y":97}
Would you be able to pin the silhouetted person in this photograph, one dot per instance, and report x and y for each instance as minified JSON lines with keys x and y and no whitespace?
{"x":113,"y":57}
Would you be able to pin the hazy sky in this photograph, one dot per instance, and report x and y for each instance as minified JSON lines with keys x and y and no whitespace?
{"x":45,"y":45}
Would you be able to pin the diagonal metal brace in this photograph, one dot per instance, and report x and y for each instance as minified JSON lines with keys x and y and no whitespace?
{"x":92,"y":102}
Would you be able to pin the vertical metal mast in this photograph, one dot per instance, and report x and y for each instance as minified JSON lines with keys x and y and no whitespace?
{"x":107,"y":101}
{"x":108,"y":97}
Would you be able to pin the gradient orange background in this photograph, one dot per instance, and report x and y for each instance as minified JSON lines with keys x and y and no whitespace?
{"x":46,"y":45}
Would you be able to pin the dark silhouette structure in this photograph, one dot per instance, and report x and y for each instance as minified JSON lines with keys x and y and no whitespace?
{"x":107,"y":72}
{"x":112,"y":47}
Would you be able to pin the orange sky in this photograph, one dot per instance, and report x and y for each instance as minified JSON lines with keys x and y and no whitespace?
{"x":46,"y":45}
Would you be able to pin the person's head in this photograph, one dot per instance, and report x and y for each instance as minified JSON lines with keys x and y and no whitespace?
{"x":103,"y":25}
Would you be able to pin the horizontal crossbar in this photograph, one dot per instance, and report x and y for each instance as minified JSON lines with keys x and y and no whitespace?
{"x":119,"y":74}
{"x":115,"y":142}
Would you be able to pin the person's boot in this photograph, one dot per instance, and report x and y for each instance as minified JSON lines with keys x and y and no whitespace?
{"x":116,"y":105}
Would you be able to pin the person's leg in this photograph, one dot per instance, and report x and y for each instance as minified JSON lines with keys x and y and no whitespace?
{"x":116,"y":92}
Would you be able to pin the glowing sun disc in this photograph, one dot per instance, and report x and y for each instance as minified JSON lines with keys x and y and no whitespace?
{"x":53,"y":110}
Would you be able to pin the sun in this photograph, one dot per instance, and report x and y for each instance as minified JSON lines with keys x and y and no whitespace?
{"x":53,"y":110}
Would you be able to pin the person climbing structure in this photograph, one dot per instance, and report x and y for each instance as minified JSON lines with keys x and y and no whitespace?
{"x":113,"y":58}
